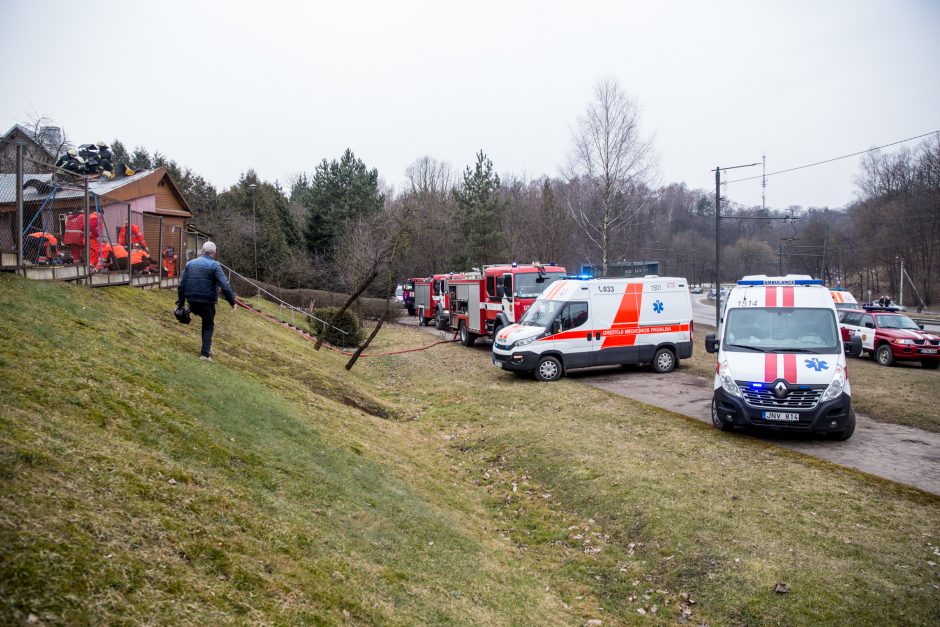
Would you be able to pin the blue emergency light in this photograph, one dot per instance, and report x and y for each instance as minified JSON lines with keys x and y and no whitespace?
{"x":515,"y":264}
{"x":778,"y":282}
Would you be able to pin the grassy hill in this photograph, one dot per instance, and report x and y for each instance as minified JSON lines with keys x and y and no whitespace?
{"x":138,"y":484}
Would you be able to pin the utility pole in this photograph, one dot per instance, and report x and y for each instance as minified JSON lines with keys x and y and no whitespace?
{"x":901,"y":293}
{"x":718,"y":170}
{"x":763,"y":185}
{"x":254,"y":225}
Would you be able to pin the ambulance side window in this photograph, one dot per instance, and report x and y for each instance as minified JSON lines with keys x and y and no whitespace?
{"x":574,"y":315}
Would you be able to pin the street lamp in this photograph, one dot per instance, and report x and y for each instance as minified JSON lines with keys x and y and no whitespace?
{"x":254,"y":225}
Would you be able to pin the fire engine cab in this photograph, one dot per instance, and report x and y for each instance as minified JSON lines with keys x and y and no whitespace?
{"x":781,"y":359}
{"x":432,"y":299}
{"x":600,"y":322}
{"x":482,"y":303}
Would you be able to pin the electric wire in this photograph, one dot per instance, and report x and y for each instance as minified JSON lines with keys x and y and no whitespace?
{"x":810,"y":165}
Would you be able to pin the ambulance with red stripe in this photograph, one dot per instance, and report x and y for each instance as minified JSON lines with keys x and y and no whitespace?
{"x":600,"y":322}
{"x":843,"y":298}
{"x":781,"y":359}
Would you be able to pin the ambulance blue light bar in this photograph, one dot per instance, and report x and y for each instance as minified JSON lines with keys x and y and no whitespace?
{"x":782,"y":282}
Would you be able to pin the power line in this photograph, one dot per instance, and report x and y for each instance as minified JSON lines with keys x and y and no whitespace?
{"x":854,"y":154}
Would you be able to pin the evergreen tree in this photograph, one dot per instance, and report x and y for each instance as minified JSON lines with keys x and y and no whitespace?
{"x":261,"y":216}
{"x":339,"y":192}
{"x":479,"y":217}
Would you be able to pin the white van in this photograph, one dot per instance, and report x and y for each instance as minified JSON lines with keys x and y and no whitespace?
{"x":599,"y":322}
{"x":781,"y":359}
{"x":843,"y":298}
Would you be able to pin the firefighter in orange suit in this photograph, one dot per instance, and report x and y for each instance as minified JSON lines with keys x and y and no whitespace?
{"x":136,"y":237}
{"x":94,"y":244}
{"x":74,"y":236}
{"x":169,"y":262}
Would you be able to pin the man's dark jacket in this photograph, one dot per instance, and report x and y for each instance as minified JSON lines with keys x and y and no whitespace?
{"x":201,"y":282}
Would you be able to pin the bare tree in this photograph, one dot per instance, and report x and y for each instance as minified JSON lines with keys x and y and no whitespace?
{"x":612,"y":164}
{"x":372,"y":245}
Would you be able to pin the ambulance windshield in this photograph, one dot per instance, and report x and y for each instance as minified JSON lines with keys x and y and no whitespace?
{"x":541,"y":313}
{"x":781,"y":329}
{"x":530,"y":284}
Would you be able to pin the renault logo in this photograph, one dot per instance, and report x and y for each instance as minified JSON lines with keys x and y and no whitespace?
{"x":780,"y":389}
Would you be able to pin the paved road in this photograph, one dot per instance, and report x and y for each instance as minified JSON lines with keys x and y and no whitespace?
{"x":703,"y":310}
{"x":903,"y":454}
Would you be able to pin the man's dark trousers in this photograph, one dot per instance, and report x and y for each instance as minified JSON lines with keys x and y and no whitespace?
{"x":206,"y":311}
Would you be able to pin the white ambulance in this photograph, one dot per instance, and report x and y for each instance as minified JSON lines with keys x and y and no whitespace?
{"x":598,"y":322}
{"x":781,"y":359}
{"x":843,"y":298}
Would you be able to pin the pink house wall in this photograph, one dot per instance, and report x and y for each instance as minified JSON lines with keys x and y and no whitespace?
{"x":115,"y":215}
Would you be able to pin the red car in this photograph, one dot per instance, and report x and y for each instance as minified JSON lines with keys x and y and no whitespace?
{"x":889,"y":336}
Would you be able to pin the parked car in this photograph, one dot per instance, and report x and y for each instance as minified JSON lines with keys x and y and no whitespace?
{"x":696,"y":290}
{"x":889,"y":337}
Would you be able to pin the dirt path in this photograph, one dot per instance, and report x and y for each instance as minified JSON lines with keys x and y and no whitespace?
{"x":903,"y":454}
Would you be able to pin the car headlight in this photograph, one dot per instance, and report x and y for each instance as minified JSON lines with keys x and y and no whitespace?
{"x":903,"y":341}
{"x":525,"y":342}
{"x":836,"y":386}
{"x":727,"y":381}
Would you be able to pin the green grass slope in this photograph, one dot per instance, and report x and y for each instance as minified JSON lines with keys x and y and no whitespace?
{"x":138,"y":484}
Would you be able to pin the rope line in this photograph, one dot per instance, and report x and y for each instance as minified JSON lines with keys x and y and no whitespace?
{"x":336,"y":349}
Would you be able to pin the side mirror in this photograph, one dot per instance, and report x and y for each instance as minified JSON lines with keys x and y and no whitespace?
{"x":853,"y":347}
{"x":711,"y":344}
{"x":921,"y":327}
{"x":869,"y":325}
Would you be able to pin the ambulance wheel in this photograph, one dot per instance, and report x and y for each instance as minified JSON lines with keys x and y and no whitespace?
{"x":664,"y":361}
{"x":930,"y":364}
{"x":548,"y":369}
{"x":466,"y":338}
{"x":717,"y":421}
{"x":845,"y":434}
{"x":884,"y":356}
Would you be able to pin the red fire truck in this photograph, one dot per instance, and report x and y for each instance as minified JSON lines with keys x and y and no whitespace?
{"x":432,"y":300}
{"x":408,"y":295}
{"x":484,"y":302}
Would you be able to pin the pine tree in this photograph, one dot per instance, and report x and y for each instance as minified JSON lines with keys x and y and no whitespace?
{"x":338,"y":193}
{"x":479,"y":215}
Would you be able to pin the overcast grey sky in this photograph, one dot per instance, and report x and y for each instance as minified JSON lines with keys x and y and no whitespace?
{"x":277,"y":86}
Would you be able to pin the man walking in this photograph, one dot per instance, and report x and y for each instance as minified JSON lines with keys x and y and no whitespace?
{"x":200,"y":285}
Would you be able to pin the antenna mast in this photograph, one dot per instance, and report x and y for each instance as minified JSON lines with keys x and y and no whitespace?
{"x":763,"y":184}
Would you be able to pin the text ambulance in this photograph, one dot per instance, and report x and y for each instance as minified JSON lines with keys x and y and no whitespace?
{"x":781,"y":359}
{"x":598,"y":322}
